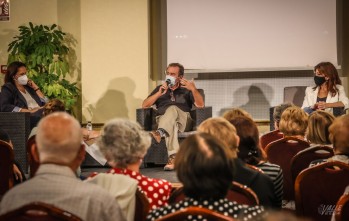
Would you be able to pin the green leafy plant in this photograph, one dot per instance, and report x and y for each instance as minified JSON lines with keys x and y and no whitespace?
{"x":44,"y":51}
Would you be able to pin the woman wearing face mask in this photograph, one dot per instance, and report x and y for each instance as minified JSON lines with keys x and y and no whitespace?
{"x":328,"y":91}
{"x":20,"y":94}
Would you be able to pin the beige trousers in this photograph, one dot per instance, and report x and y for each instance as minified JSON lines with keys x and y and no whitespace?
{"x":172,"y":121}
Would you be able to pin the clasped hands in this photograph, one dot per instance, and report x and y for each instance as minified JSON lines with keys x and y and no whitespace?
{"x":321,"y":105}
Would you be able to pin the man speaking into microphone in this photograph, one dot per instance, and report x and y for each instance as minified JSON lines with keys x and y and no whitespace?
{"x":173,"y":100}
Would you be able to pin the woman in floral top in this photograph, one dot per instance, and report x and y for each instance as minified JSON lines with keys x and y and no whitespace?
{"x":124,"y":144}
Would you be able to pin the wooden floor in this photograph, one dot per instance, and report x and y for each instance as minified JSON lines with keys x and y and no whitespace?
{"x":152,"y":172}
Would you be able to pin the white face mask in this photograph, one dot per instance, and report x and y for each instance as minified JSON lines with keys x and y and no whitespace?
{"x":171,"y":79}
{"x":22,"y":80}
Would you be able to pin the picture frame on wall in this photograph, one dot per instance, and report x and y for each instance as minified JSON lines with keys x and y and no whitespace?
{"x":4,"y":10}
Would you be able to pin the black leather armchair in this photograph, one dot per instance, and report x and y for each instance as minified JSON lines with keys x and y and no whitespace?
{"x":157,"y":153}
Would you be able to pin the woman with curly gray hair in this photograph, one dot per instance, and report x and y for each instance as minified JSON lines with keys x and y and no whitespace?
{"x":124,"y":144}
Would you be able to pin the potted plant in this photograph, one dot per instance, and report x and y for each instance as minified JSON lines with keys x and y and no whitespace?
{"x":43,"y":49}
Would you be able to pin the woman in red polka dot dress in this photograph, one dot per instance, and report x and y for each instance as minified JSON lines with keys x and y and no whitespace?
{"x":124,"y":143}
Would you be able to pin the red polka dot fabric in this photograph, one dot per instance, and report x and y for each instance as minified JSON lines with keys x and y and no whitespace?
{"x":157,"y":191}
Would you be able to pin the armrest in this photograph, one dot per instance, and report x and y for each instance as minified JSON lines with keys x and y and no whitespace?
{"x":144,"y":117}
{"x":338,"y":111}
{"x":199,"y":115}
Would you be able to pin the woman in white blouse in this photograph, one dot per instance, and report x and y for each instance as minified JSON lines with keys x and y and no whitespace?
{"x":328,"y":91}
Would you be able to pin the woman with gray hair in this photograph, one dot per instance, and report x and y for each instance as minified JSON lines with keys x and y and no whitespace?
{"x":124,"y":144}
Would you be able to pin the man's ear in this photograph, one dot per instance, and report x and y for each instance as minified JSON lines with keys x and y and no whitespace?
{"x":34,"y":152}
{"x":81,"y":153}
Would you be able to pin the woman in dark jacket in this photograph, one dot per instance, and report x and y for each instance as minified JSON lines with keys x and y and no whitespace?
{"x":20,"y":94}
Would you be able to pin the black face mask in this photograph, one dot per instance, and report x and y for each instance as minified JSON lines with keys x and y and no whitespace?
{"x":319,"y":80}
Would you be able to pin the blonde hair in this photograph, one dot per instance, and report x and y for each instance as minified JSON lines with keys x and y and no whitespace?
{"x":293,"y":122}
{"x":223,"y":130}
{"x":317,"y":131}
{"x":339,"y":133}
{"x":236,"y":112}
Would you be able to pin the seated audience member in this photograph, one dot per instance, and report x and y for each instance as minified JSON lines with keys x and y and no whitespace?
{"x":317,"y":132}
{"x":251,"y":153}
{"x":278,"y":110}
{"x":260,"y":183}
{"x":17,"y":170}
{"x":204,"y":166}
{"x":124,"y":144}
{"x":327,"y":92}
{"x":60,"y":152}
{"x":236,"y":112}
{"x":294,"y":122}
{"x":339,"y":134}
{"x":20,"y":94}
{"x":54,"y":105}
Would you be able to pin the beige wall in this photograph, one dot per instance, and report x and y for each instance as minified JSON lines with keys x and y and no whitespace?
{"x":21,"y":12}
{"x":115,"y":58}
{"x":110,"y":56}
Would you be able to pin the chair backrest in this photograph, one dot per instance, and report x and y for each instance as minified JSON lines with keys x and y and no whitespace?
{"x":33,"y":164}
{"x":294,"y":94}
{"x":6,"y":167}
{"x":237,"y":192}
{"x":303,"y":158}
{"x":142,"y":206}
{"x":317,"y":189}
{"x":195,"y":211}
{"x":342,"y":208}
{"x":242,"y":194}
{"x":280,"y":152}
{"x":269,"y":137}
{"x":38,"y":211}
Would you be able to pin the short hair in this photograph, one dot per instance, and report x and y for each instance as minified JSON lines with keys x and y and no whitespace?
{"x":12,"y":70}
{"x":339,"y":133}
{"x":249,"y":150}
{"x":123,"y":142}
{"x":223,"y":130}
{"x":278,"y":111}
{"x":58,"y":138}
{"x":236,"y":112}
{"x":53,"y":105}
{"x":318,"y":124}
{"x":204,"y":166}
{"x":293,"y":122}
{"x":181,"y":68}
{"x":4,"y":136}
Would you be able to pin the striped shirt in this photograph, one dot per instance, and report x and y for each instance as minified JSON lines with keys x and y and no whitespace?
{"x":275,"y":173}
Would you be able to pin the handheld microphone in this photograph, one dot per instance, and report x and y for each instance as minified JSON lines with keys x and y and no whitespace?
{"x":168,"y":82}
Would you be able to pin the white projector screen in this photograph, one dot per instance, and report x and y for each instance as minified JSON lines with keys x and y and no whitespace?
{"x":238,"y":35}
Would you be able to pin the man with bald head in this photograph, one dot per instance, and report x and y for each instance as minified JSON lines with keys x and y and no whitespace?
{"x":60,"y":152}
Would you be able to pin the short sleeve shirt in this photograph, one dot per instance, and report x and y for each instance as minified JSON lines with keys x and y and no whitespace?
{"x":183,"y":99}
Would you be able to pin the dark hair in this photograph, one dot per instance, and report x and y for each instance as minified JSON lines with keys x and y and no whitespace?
{"x":53,"y":105}
{"x":278,"y":111}
{"x":12,"y":70}
{"x":181,"y":68}
{"x":249,"y":150}
{"x":4,"y":136}
{"x":330,"y":71}
{"x":204,"y":166}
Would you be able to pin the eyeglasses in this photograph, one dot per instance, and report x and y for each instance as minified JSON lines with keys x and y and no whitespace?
{"x":172,"y":96}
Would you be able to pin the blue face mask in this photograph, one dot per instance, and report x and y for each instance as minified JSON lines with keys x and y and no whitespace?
{"x":171,"y":80}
